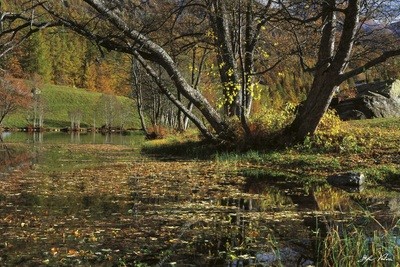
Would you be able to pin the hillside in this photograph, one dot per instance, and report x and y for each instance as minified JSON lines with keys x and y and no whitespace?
{"x":60,"y":100}
{"x":375,"y":27}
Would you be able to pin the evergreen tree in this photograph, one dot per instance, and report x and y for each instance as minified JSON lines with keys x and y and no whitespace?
{"x":36,"y":56}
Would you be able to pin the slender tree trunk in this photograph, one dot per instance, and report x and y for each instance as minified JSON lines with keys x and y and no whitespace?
{"x":138,"y":92}
{"x":186,"y":119}
{"x":2,"y":116}
{"x":251,"y":38}
{"x":195,"y":79}
{"x":139,"y":103}
{"x":226,"y":58}
{"x":199,"y":124}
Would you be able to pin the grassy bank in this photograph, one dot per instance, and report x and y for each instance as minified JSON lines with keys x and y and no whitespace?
{"x":369,"y":146}
{"x":59,"y":100}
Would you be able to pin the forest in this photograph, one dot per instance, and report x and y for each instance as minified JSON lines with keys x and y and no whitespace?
{"x":216,"y":65}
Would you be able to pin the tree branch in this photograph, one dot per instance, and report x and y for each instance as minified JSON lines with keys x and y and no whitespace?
{"x":382,"y":58}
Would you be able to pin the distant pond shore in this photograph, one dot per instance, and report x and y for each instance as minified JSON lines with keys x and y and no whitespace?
{"x":102,"y":129}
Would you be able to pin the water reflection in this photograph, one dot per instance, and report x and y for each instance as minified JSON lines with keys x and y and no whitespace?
{"x":95,"y":207}
{"x":4,"y":135}
{"x":73,"y":137}
{"x":14,"y":157}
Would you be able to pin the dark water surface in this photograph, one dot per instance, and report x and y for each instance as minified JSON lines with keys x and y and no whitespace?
{"x":96,"y":201}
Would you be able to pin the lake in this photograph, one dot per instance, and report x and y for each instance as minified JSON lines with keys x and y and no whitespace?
{"x":93,"y":200}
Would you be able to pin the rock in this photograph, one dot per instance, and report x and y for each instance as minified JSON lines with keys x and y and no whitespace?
{"x":352,"y":114}
{"x":285,"y":256}
{"x":373,"y":100}
{"x":389,"y":89}
{"x":282,"y":255}
{"x":347,"y":179}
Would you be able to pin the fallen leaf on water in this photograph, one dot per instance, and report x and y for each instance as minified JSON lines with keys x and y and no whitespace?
{"x":54,"y":251}
{"x":72,"y":253}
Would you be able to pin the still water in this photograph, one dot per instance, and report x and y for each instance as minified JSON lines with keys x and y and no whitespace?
{"x":72,"y":138}
{"x":97,"y":201}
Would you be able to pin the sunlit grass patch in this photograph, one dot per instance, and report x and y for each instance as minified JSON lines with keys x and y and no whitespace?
{"x":186,"y":145}
{"x":368,"y":146}
{"x":291,"y":162}
{"x":59,"y":100}
{"x":381,"y":123}
{"x":249,"y":156}
{"x":387,"y":174}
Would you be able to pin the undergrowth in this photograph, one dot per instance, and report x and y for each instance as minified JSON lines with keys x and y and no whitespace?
{"x":353,"y":246}
{"x":335,"y":135}
{"x":332,"y":136}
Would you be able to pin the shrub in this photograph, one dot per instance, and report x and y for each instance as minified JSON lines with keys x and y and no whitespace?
{"x":334,"y":135}
{"x":266,"y":125}
{"x":156,"y":132}
{"x":272,"y":120}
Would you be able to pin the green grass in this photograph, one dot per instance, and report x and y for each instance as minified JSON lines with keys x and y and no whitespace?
{"x":184,"y":145}
{"x":382,"y":123}
{"x":59,"y":100}
{"x":355,"y":247}
{"x":374,"y":150}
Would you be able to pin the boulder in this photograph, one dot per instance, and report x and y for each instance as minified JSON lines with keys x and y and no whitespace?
{"x":389,"y":88}
{"x":373,"y":100}
{"x":350,"y":179}
{"x":352,"y":114}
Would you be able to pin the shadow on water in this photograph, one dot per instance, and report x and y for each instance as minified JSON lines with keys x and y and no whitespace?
{"x":270,"y":183}
{"x":229,"y":230}
{"x":328,"y":210}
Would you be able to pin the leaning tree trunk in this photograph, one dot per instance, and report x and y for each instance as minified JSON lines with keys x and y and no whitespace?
{"x":312,"y":111}
{"x":196,"y":121}
{"x":329,"y":70}
{"x":155,"y":53}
